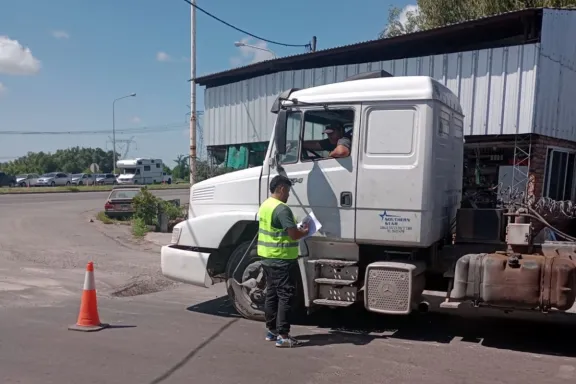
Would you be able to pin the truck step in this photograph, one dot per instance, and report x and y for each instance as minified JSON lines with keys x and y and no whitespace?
{"x":333,"y":262}
{"x":326,"y":281}
{"x":333,"y":303}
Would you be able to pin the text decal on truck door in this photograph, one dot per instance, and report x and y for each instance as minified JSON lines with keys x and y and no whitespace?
{"x":394,"y":223}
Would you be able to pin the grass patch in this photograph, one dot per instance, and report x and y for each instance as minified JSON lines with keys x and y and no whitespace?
{"x":139,"y":227}
{"x":103,"y":217}
{"x":68,"y":189}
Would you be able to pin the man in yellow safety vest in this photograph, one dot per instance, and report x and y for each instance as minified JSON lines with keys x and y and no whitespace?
{"x":278,"y":237}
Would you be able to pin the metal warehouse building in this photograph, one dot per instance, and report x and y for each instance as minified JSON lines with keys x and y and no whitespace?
{"x":514,"y":73}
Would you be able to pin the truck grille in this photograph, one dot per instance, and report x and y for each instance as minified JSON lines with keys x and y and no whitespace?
{"x":388,"y":289}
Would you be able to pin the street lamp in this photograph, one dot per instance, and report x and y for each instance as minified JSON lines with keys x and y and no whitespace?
{"x":241,"y":44}
{"x":114,"y":128}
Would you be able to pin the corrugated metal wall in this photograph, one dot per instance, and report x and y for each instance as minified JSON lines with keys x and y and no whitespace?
{"x":496,"y":88}
{"x":555,"y":113}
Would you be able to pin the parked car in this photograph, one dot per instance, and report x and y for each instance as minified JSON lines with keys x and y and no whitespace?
{"x":119,"y":201}
{"x":27,"y":179}
{"x":82,"y":179}
{"x":54,"y":179}
{"x":7,"y":180}
{"x":106,"y":179}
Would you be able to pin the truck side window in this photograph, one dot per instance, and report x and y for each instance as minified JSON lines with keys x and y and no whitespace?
{"x":293,"y":127}
{"x":327,"y":134}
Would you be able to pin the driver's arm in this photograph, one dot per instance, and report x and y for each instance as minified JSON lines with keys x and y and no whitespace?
{"x":342,"y":148}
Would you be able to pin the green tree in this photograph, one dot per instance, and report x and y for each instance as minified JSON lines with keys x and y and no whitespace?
{"x":438,"y":13}
{"x":181,"y":170}
{"x":401,"y":21}
{"x":71,"y":160}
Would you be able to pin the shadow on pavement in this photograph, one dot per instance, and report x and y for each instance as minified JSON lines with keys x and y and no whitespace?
{"x":358,"y":327}
{"x":218,"y":307}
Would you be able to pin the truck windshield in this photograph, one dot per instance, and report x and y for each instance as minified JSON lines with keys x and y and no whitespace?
{"x":130,"y":171}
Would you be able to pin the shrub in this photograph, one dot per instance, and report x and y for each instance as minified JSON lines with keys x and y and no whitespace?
{"x":146,"y":206}
{"x":171,"y":210}
{"x":139,"y":227}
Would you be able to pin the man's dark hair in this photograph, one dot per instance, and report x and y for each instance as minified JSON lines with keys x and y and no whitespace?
{"x":278,"y":181}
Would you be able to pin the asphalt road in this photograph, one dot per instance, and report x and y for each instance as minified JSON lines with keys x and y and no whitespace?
{"x":167,"y":333}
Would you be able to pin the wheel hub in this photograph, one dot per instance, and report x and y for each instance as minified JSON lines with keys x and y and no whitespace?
{"x":257,"y":294}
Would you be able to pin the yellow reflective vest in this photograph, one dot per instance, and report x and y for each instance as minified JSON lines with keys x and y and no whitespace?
{"x":274,"y":243}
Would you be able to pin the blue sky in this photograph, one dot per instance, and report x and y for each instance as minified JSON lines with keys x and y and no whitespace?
{"x":84,"y":54}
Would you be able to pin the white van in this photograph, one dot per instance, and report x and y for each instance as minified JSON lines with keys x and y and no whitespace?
{"x":142,"y":171}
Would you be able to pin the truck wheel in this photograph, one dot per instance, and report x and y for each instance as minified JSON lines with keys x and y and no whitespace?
{"x":248,"y":302}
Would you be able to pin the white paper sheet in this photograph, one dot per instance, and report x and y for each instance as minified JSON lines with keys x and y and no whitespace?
{"x":313,"y":224}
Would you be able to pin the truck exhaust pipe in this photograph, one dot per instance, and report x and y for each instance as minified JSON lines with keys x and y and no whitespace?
{"x":423,"y":306}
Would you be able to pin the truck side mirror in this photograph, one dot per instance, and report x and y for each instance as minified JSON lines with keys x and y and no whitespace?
{"x":280,"y":132}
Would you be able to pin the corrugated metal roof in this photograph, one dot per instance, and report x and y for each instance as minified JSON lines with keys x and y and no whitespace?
{"x":487,"y":32}
{"x":496,"y":88}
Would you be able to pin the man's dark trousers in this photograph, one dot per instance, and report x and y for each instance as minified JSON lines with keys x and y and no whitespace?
{"x":280,"y":292}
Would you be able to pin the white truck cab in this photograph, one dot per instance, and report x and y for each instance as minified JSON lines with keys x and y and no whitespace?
{"x":395,"y":196}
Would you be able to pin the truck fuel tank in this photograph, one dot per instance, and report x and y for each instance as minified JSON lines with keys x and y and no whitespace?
{"x":516,"y":280}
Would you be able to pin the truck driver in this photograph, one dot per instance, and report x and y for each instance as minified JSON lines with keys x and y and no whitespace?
{"x":336,"y":143}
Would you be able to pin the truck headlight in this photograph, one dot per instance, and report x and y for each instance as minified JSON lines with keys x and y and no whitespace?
{"x":175,"y":236}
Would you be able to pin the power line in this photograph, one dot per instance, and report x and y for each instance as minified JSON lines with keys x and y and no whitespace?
{"x":243,"y":31}
{"x":139,"y":130}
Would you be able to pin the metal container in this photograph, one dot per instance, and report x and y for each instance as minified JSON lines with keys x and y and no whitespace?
{"x":515,"y":281}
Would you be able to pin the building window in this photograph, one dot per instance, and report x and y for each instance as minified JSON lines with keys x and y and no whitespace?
{"x":559,"y":178}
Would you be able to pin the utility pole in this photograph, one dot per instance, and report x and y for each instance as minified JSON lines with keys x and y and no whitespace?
{"x":193,"y":92}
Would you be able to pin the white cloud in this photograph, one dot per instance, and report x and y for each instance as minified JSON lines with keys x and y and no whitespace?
{"x":163,"y":56}
{"x":3,"y":89}
{"x":16,"y":59}
{"x":60,"y":34}
{"x":251,"y":55}
{"x":135,"y":120}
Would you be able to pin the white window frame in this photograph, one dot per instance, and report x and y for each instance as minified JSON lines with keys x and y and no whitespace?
{"x":548,"y":171}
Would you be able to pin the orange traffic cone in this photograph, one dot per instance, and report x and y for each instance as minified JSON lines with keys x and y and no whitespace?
{"x":88,"y":319}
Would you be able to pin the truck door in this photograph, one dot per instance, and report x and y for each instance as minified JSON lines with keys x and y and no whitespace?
{"x":390,"y":173}
{"x":321,"y":184}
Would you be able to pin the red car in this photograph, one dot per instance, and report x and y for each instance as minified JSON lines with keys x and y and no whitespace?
{"x":119,"y":202}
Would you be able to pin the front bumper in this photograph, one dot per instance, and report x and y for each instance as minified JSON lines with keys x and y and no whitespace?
{"x":185,"y":266}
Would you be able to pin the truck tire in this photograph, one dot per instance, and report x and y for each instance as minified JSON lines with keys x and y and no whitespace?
{"x":237,"y":294}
